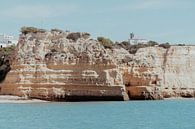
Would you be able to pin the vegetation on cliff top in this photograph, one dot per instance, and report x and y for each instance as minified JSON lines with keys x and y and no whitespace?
{"x":7,"y":52}
{"x":107,"y":43}
{"x":57,"y":30}
{"x":165,"y":45}
{"x":26,"y":30}
{"x":76,"y":35}
{"x":133,"y":48}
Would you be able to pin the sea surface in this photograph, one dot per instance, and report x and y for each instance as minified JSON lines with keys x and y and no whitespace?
{"x":168,"y":114}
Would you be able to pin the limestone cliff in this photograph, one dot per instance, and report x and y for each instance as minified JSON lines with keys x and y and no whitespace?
{"x":57,"y":65}
{"x":65,"y":66}
{"x":165,"y":72}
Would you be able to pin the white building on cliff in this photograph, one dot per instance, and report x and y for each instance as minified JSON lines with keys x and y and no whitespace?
{"x":136,"y":40}
{"x":7,"y":40}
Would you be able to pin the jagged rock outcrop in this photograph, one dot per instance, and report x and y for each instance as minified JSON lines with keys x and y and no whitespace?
{"x":65,"y":66}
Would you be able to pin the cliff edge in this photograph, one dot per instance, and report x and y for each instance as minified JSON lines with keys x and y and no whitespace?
{"x":70,"y":66}
{"x":63,"y":66}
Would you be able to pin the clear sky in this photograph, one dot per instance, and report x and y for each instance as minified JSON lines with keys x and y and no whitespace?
{"x":160,"y":20}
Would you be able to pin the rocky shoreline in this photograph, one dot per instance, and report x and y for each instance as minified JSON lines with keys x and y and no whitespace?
{"x":17,"y":99}
{"x":22,"y":100}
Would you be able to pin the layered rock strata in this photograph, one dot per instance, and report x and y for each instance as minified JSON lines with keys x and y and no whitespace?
{"x":64,"y":66}
{"x":163,"y":72}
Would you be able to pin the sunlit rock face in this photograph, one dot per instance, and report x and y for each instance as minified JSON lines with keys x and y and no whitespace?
{"x":179,"y":71}
{"x":166,"y":72}
{"x":63,"y":66}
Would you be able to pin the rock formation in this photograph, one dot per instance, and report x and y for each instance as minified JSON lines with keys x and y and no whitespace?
{"x":65,"y":66}
{"x":163,"y":72}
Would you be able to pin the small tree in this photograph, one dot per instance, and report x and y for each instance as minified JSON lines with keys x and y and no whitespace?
{"x":152,"y":43}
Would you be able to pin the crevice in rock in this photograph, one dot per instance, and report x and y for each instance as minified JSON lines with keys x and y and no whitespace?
{"x":164,"y":64}
{"x":4,"y":69}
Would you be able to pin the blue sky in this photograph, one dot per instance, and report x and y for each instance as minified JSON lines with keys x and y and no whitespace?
{"x":160,"y":20}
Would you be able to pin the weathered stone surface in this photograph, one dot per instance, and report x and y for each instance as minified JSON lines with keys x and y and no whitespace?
{"x":51,"y":66}
{"x":64,"y":66}
{"x":170,"y":70}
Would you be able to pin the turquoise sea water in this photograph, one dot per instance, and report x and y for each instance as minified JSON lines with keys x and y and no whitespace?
{"x":171,"y":114}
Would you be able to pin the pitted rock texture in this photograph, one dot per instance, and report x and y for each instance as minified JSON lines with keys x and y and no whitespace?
{"x":64,"y":66}
{"x":170,"y":71}
{"x":54,"y":65}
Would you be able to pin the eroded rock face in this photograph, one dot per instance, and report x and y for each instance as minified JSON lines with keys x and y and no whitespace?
{"x":64,"y":66}
{"x":167,"y":72}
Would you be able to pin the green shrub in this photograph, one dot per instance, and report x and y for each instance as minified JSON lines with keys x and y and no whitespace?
{"x":152,"y":43}
{"x":165,"y":45}
{"x":57,"y":30}
{"x":74,"y":36}
{"x":107,"y":43}
{"x":7,"y":51}
{"x":26,"y":30}
{"x":181,"y":44}
{"x":133,"y":48}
